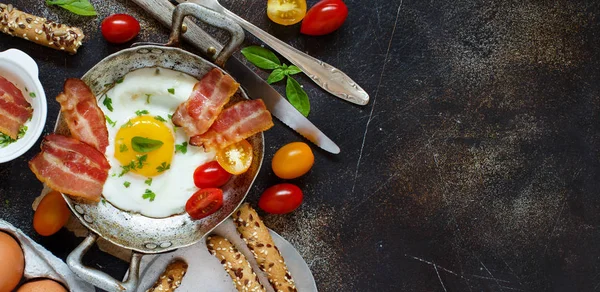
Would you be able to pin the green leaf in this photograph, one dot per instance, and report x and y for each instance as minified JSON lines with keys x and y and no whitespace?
{"x":79,"y":7}
{"x":123,"y":148}
{"x":159,"y":118}
{"x":141,"y":160}
{"x":126,"y":184}
{"x":171,"y":90}
{"x":110,"y":122}
{"x":276,"y":75}
{"x":127,"y":125}
{"x":148,"y":98}
{"x":22,"y":132}
{"x":6,"y":140}
{"x":108,"y":103}
{"x":120,"y":80}
{"x":125,"y":169}
{"x":261,"y":57}
{"x":170,"y":116}
{"x":32,"y":94}
{"x":297,"y":96}
{"x":163,"y":166}
{"x":141,"y":112}
{"x":148,"y":181}
{"x":145,"y":145}
{"x":291,"y":70}
{"x":181,"y":148}
{"x":148,"y":194}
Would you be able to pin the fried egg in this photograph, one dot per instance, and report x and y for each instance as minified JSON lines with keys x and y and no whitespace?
{"x":152,"y":166}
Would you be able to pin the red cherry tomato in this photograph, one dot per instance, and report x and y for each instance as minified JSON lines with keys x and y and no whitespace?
{"x":120,"y":28}
{"x":325,"y":17}
{"x":51,"y":214}
{"x":210,"y":175}
{"x":204,"y":202}
{"x":281,"y":199}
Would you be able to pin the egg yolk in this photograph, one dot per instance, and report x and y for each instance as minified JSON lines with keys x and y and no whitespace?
{"x":146,"y":162}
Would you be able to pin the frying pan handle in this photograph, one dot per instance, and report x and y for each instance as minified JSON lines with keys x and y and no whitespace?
{"x":210,"y":17}
{"x":98,"y":278}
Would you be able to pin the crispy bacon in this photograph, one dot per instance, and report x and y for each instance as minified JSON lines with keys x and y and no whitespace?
{"x":234,"y":124}
{"x":14,"y":108}
{"x":85,"y":119}
{"x":210,"y":94}
{"x":71,"y":167}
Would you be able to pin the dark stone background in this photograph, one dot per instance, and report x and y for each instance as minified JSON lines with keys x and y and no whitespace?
{"x":473,"y":168}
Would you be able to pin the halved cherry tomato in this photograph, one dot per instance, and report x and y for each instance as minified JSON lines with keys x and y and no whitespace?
{"x":292,"y":160}
{"x":286,"y":12}
{"x":236,"y":158}
{"x":281,"y":199}
{"x":204,"y":202}
{"x":120,"y":28}
{"x":210,"y":175}
{"x":51,"y":214}
{"x":325,"y":17}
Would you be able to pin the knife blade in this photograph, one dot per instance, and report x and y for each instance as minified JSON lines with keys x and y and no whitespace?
{"x":254,"y":85}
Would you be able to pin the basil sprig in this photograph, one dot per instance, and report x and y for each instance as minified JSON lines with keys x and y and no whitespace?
{"x":265,"y":59}
{"x":144,"y":145}
{"x":79,"y":7}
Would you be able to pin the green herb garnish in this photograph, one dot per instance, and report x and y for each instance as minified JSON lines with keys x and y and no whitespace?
{"x":170,"y":116}
{"x":107,"y":102}
{"x":265,"y":59}
{"x":159,"y":118}
{"x":144,"y":145}
{"x":141,"y":160}
{"x":171,"y":90}
{"x":163,"y":166}
{"x":148,"y":98}
{"x":126,"y":184}
{"x":120,"y":80}
{"x":79,"y":7}
{"x":110,"y":122}
{"x":127,"y":125}
{"x":148,"y":181}
{"x":141,"y":112}
{"x":123,"y":148}
{"x":6,"y":140}
{"x":149,"y":195}
{"x":181,"y":148}
{"x":32,"y":94}
{"x":127,"y":168}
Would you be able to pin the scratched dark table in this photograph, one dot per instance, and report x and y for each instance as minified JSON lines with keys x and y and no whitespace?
{"x":475,"y":166}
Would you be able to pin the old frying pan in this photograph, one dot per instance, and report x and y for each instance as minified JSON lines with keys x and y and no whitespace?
{"x":133,"y":231}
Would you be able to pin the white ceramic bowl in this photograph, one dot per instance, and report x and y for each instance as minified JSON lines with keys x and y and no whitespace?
{"x":22,"y":71}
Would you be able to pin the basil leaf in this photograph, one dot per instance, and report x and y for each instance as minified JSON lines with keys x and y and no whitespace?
{"x":297,"y":96}
{"x":276,"y":75}
{"x":144,"y":145}
{"x":261,"y":57}
{"x":79,"y":7}
{"x":291,"y":70}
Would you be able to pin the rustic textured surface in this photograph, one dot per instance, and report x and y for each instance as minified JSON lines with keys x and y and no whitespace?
{"x":475,"y":167}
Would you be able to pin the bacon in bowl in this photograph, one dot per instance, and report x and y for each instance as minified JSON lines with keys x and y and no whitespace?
{"x":14,"y":109}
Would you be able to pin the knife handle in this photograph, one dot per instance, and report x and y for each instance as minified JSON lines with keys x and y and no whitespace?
{"x":328,"y":77}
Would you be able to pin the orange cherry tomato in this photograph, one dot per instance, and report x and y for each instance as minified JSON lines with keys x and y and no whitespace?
{"x":292,"y":160}
{"x":51,"y":214}
{"x":286,"y":12}
{"x":236,"y":158}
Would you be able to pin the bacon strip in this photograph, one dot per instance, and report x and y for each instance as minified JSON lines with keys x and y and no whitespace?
{"x":71,"y":167}
{"x":14,"y":109}
{"x":84,"y":118}
{"x":210,"y":94}
{"x":234,"y":124}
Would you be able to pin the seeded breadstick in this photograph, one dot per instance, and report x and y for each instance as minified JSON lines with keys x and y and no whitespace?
{"x":39,"y":30}
{"x":235,"y":264}
{"x":170,"y":278}
{"x":256,"y":235}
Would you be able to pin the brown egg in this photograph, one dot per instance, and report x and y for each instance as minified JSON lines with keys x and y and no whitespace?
{"x":45,"y":285}
{"x":13,"y":262}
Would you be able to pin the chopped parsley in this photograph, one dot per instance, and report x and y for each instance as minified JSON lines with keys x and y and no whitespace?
{"x":171,"y":90}
{"x":126,"y":184}
{"x":127,"y":125}
{"x":159,"y":118}
{"x":181,"y":148}
{"x":163,"y":166}
{"x":103,"y":202}
{"x":148,"y":181}
{"x":170,"y":116}
{"x":111,"y":122}
{"x":107,"y":102}
{"x":141,"y":112}
{"x":148,"y":194}
{"x":6,"y":140}
{"x":141,"y":160}
{"x":127,"y":168}
{"x":148,"y":98}
{"x":123,"y":148}
{"x":120,"y":80}
{"x":32,"y":94}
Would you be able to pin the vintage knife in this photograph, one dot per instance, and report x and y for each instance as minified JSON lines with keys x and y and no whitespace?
{"x":255,"y":86}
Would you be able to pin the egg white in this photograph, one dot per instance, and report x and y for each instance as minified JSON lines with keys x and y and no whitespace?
{"x":144,"y":89}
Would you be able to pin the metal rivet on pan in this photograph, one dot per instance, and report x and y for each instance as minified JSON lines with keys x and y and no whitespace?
{"x":78,"y":209}
{"x":143,"y":51}
{"x":211,"y":51}
{"x":166,"y":244}
{"x":88,"y":219}
{"x":151,"y":245}
{"x":157,"y":51}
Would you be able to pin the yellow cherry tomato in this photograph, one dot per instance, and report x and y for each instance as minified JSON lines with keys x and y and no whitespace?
{"x":236,"y":158}
{"x":292,"y":160}
{"x":286,"y":12}
{"x":51,"y":214}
